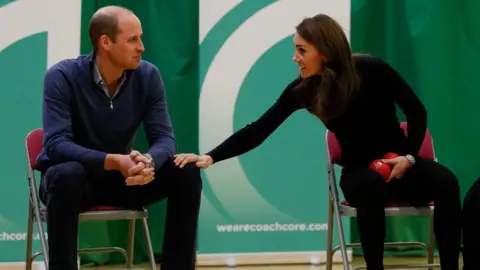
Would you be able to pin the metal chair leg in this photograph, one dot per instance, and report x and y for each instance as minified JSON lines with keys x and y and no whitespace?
{"x":431,"y":247}
{"x":38,"y":220}
{"x":341,"y":235}
{"x":28,"y":259}
{"x":131,"y":242}
{"x":148,"y":242}
{"x":336,"y":210}
{"x":43,"y":241}
{"x":44,"y":245}
{"x":330,"y":236}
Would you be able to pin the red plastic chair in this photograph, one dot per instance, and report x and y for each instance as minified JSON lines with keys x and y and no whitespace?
{"x":339,"y":209}
{"x":36,"y":214}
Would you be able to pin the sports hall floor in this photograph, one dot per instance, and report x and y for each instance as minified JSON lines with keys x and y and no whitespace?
{"x":356,"y":261}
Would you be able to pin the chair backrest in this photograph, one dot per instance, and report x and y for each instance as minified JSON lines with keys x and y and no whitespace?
{"x":427,"y":150}
{"x":33,"y":147}
{"x":335,"y":154}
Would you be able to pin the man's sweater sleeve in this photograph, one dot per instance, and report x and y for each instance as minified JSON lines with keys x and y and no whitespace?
{"x":57,"y":125}
{"x":157,"y":123}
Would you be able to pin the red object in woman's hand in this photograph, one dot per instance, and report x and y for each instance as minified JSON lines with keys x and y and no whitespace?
{"x":390,"y":155}
{"x":381,"y":168}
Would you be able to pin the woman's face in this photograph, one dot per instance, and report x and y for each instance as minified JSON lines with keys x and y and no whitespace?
{"x":308,"y":58}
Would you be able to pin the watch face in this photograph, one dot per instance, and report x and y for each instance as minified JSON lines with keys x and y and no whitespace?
{"x":151,"y":164}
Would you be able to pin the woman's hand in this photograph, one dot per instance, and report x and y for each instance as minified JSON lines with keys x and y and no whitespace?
{"x":200,"y":161}
{"x":400,"y":166}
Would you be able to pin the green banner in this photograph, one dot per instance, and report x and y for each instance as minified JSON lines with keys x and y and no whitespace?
{"x":275,"y":198}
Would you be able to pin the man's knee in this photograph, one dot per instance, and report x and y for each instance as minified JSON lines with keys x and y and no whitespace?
{"x":67,"y":178}
{"x":191,"y":176}
{"x":187,"y":177}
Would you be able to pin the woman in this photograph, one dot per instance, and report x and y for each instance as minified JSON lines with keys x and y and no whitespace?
{"x":355,"y":98}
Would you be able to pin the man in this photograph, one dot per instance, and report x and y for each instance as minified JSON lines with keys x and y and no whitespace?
{"x":92,"y":108}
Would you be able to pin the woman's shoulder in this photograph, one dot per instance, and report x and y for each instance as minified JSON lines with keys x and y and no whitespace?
{"x":368,"y":62}
{"x":296,"y":91}
{"x":293,"y":83}
{"x":291,"y":87}
{"x":288,"y":92}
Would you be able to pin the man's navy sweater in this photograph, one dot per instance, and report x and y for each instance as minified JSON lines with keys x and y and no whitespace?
{"x":81,"y":123}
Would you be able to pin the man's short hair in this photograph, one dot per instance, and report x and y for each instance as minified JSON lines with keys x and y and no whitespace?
{"x":105,"y":23}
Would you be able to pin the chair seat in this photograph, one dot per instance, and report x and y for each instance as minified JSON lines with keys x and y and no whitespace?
{"x":105,"y":208}
{"x":105,"y":212}
{"x":392,"y":209}
{"x":390,"y":204}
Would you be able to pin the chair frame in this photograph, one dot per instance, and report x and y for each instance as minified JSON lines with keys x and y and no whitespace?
{"x":38,"y":215}
{"x":338,"y":210}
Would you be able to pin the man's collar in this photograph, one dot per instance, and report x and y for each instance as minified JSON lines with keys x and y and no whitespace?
{"x":93,"y":69}
{"x":97,"y":76}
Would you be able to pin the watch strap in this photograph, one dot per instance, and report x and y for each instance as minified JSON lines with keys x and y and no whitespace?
{"x":411,"y":159}
{"x":151,"y":164}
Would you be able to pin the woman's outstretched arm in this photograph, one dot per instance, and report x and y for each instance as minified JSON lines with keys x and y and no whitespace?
{"x":253,"y":134}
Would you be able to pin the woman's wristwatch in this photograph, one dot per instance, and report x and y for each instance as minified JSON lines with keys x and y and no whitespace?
{"x":411,"y":159}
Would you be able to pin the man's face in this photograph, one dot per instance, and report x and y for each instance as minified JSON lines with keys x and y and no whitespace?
{"x":126,"y":51}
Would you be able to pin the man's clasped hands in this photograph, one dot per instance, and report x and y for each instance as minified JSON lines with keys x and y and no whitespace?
{"x":134,"y":167}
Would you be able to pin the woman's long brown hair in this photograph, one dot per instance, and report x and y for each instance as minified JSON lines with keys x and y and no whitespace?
{"x":328,"y":95}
